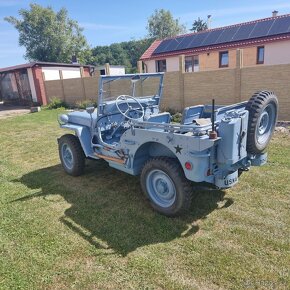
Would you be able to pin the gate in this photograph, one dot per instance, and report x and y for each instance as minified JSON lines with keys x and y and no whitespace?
{"x":15,"y":88}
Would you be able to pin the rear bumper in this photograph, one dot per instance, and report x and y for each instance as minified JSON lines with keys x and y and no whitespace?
{"x":227,"y":181}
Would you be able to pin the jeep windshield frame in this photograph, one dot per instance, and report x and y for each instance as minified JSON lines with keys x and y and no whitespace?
{"x":142,"y":78}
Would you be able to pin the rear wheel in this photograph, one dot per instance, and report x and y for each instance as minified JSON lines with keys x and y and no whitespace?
{"x":164,"y":183}
{"x":263,"y":108}
{"x":71,"y":155}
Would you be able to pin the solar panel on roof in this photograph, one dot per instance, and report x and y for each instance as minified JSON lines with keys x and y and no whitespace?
{"x":185,"y":42}
{"x":197,"y":41}
{"x":174,"y":43}
{"x":227,"y":35}
{"x":244,"y":32}
{"x":269,"y":27}
{"x":261,"y":28}
{"x":162,"y":46}
{"x":281,"y":25}
{"x":212,"y":37}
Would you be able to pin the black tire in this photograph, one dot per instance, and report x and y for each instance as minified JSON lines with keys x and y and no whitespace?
{"x":263,"y":111}
{"x":170,"y":171}
{"x":70,"y":144}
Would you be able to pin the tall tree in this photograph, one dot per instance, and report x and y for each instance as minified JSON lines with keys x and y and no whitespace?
{"x":126,"y":53}
{"x":199,"y":25}
{"x":161,"y":24}
{"x":49,"y":36}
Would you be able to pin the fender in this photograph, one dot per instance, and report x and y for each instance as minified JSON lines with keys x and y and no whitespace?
{"x":84,"y":135}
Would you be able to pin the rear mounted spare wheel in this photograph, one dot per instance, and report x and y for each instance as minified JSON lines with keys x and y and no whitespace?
{"x":263,"y":110}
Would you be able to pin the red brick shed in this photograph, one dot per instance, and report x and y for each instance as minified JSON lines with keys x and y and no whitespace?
{"x":24,"y":84}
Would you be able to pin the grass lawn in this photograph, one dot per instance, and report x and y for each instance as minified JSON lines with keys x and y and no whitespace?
{"x":98,"y":232}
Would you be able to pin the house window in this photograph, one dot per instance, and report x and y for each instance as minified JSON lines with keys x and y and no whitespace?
{"x":224,"y":59}
{"x":260,"y":54}
{"x":191,"y":63}
{"x":161,"y":65}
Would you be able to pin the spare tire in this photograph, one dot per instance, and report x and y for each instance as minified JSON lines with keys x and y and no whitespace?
{"x":263,"y":111}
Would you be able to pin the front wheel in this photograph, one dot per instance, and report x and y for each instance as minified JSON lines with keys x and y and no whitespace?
{"x":71,"y":155}
{"x":164,"y":183}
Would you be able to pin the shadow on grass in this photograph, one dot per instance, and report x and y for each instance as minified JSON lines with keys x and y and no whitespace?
{"x":109,"y":210}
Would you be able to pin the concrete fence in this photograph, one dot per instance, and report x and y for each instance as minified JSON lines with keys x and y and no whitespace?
{"x":182,"y":89}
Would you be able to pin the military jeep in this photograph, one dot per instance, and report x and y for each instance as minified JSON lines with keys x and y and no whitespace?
{"x":212,"y":144}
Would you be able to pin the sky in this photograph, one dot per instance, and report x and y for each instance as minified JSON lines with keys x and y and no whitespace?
{"x":107,"y":22}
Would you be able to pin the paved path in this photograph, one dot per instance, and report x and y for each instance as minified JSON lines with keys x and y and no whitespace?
{"x":9,"y":111}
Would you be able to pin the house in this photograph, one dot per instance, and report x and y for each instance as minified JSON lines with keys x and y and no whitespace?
{"x":263,"y":42}
{"x":24,"y":84}
{"x":113,"y":70}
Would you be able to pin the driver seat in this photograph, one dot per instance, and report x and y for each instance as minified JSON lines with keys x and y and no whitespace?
{"x":159,"y":118}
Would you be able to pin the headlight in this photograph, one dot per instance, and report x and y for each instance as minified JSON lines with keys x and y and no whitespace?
{"x":63,"y":119}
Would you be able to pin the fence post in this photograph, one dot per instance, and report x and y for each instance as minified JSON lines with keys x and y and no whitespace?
{"x":238,"y":75}
{"x":62,"y":85}
{"x":84,"y":88}
{"x":181,"y":81}
{"x":107,"y":69}
{"x":140,"y":66}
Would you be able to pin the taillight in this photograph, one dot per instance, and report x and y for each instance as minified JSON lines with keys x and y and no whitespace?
{"x":188,"y":165}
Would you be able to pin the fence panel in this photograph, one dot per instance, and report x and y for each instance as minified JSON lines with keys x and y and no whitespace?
{"x":227,"y":86}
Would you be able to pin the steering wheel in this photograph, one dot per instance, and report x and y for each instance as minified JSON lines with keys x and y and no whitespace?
{"x":125,"y":98}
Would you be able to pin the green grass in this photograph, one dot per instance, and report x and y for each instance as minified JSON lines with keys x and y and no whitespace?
{"x":98,"y":232}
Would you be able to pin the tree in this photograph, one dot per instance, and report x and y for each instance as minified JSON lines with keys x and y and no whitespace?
{"x":134,"y":50}
{"x":161,"y":24}
{"x":199,"y":25}
{"x":126,"y":53}
{"x":50,"y":36}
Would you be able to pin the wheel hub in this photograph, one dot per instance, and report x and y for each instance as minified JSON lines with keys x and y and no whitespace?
{"x":67,"y":156}
{"x":266,"y":124}
{"x":161,"y":188}
{"x":264,"y":121}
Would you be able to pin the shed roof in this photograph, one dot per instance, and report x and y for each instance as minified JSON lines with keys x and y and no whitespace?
{"x":41,"y":64}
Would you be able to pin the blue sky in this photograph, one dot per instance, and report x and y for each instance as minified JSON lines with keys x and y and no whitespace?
{"x":106,"y":22}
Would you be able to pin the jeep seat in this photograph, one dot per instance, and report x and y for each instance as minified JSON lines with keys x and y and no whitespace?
{"x":160,"y":118}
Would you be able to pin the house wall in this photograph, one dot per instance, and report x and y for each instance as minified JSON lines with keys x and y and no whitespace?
{"x":210,"y":60}
{"x":250,"y":56}
{"x":275,"y":53}
{"x":172,"y":64}
{"x":86,"y":72}
{"x":150,"y":66}
{"x":39,"y":85}
{"x":117,"y":71}
{"x":53,"y":73}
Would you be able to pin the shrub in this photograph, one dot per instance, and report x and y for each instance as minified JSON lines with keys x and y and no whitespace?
{"x":84,"y":104}
{"x":56,"y":103}
{"x":176,"y":118}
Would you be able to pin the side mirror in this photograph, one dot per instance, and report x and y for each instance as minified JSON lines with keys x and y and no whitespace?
{"x":90,"y":110}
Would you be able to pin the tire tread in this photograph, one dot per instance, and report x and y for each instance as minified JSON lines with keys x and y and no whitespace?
{"x":78,"y":152}
{"x":177,"y":175}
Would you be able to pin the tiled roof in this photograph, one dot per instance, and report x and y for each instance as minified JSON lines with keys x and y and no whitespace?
{"x":238,"y":35}
{"x":148,"y":53}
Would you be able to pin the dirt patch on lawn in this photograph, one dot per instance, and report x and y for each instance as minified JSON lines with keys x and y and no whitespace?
{"x":9,"y":111}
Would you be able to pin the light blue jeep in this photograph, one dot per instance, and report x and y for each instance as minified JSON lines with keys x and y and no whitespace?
{"x":212,"y":144}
